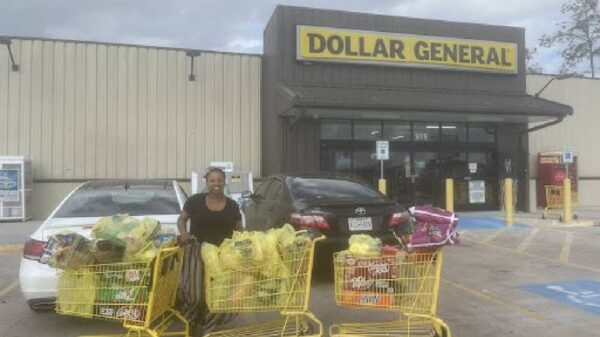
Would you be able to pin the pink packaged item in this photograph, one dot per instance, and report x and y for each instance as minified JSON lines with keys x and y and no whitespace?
{"x":434,"y":227}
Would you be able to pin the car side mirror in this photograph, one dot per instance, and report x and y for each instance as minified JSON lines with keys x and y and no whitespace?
{"x":247,"y":195}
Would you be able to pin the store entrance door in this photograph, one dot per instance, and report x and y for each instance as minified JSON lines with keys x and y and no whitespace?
{"x":418,"y":178}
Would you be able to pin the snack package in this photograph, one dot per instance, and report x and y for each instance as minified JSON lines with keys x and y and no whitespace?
{"x":67,"y":250}
{"x":434,"y":228}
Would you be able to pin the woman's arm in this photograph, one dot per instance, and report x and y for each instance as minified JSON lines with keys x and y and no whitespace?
{"x":182,"y":226}
{"x":238,"y":226}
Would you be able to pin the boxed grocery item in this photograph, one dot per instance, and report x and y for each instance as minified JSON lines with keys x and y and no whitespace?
{"x":360,"y":273}
{"x":132,"y":276}
{"x":366,"y":299}
{"x":121,"y":312}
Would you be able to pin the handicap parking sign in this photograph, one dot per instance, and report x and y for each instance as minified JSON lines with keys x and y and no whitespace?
{"x":567,"y":156}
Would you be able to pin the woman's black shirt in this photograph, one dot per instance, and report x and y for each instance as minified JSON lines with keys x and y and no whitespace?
{"x":209,"y":226}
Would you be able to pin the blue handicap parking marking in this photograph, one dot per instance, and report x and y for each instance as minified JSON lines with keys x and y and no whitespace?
{"x":583,"y":294}
{"x":483,"y":222}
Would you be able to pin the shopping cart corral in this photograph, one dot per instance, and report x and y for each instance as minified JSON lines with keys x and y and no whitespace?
{"x":141,"y":295}
{"x":255,"y":288}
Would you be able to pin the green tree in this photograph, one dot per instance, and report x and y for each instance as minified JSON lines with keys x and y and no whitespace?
{"x":533,"y":67}
{"x":579,"y":34}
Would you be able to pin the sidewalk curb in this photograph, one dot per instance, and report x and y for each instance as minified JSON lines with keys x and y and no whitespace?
{"x":11,"y":248}
{"x":559,"y":224}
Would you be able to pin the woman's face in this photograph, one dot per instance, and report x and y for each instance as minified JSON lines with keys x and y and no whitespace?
{"x":215,"y":182}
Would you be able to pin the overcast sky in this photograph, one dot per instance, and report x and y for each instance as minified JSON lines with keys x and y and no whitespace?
{"x":237,"y":25}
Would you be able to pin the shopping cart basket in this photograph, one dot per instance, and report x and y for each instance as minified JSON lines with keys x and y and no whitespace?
{"x":555,"y":201}
{"x":283,"y":286}
{"x":407,"y":283}
{"x":141,"y":295}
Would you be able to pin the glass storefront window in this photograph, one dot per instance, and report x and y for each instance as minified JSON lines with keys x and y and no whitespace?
{"x":426,"y":131}
{"x":454,"y":132}
{"x":396,"y":132}
{"x":365,"y":164}
{"x":334,"y":129}
{"x":482,"y":133}
{"x":367,"y":130}
{"x":336,"y":159}
{"x":423,"y":160}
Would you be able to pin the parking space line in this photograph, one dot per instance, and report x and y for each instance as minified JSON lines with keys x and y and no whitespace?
{"x":9,"y":288}
{"x":11,"y":248}
{"x":485,"y":297}
{"x":570,"y":264}
{"x":528,"y":240}
{"x":566,"y":248}
{"x":493,"y":236}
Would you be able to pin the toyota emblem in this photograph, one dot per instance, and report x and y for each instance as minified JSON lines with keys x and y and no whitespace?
{"x":360,"y":211}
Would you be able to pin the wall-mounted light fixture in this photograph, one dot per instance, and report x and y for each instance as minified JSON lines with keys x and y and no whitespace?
{"x":192,"y":54}
{"x":6,"y":42}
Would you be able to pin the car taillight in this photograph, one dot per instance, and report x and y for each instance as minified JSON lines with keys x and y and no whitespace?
{"x":398,"y":219}
{"x":33,"y":249}
{"x":309,"y":220}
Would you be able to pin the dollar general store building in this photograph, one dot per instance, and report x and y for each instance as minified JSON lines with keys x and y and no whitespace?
{"x":451,"y":99}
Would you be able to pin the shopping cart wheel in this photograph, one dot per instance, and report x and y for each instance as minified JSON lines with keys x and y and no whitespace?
{"x":575,"y":217}
{"x":543,"y":217}
{"x":307,"y":329}
{"x":442,"y":333}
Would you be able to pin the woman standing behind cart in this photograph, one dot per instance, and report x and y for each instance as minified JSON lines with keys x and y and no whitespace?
{"x":213,"y":217}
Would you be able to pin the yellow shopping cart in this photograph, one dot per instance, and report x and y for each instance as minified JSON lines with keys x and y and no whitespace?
{"x":141,"y":295}
{"x":255,"y":288}
{"x":555,"y":201}
{"x":407,"y":283}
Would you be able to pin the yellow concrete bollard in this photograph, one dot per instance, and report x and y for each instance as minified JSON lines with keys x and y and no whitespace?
{"x":508,"y":201}
{"x":450,"y":194}
{"x":382,"y":186}
{"x":567,"y":212}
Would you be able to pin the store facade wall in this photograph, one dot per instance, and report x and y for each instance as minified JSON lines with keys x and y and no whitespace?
{"x":83,"y":110}
{"x":579,"y":132}
{"x":326,"y":114}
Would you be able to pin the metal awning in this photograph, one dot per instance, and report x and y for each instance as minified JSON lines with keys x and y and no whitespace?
{"x":410,"y":104}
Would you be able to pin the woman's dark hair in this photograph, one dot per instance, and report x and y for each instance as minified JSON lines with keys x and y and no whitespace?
{"x":214,"y":169}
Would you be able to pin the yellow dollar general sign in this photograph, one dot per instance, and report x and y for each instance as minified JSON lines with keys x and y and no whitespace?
{"x":356,"y":46}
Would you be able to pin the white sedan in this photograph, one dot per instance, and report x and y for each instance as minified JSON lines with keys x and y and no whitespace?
{"x":79,"y":211}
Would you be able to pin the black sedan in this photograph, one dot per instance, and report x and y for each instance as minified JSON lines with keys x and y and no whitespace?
{"x":338,"y":205}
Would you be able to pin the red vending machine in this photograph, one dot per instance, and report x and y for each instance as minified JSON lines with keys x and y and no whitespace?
{"x":551,"y":171}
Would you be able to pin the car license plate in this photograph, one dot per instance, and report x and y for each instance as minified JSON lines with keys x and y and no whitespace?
{"x":360,"y":224}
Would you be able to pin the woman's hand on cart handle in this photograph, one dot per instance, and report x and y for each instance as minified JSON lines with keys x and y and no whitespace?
{"x":183,"y":238}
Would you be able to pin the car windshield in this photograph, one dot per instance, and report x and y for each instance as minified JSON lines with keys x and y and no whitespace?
{"x":323,"y":188}
{"x":105,"y":201}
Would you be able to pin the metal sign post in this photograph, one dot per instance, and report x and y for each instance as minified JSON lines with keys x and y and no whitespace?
{"x":382,"y":152}
{"x":567,"y":158}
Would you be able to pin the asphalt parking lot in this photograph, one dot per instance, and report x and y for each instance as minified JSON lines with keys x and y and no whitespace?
{"x":526,"y":281}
